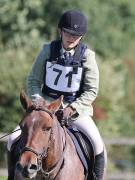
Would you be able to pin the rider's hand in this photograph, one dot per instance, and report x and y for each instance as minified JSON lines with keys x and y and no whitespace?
{"x":63,"y":115}
{"x":67,"y":112}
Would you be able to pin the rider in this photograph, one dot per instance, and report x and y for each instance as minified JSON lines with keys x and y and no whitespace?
{"x":68,"y":67}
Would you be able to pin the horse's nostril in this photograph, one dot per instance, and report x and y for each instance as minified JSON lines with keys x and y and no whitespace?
{"x":19,"y":167}
{"x":33,"y":167}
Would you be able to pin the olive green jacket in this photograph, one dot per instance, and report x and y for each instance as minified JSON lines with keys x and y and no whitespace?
{"x":82,"y":104}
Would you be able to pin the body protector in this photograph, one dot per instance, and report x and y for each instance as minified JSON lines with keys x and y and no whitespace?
{"x":64,"y":75}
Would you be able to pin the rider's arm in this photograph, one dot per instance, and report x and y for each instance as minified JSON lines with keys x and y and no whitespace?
{"x":36,"y":76}
{"x":90,"y":84}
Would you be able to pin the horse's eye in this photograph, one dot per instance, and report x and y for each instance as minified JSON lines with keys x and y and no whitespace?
{"x":46,"y":128}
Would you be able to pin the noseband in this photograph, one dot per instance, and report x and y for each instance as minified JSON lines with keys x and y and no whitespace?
{"x":40,"y":156}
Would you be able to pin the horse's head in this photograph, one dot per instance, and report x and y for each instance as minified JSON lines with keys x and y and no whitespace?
{"x":36,"y":126}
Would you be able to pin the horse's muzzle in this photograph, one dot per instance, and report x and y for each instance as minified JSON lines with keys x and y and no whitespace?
{"x":28,"y":171}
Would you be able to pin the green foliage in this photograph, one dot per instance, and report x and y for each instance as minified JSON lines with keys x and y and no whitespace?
{"x":3,"y":178}
{"x":121,"y":157}
{"x":3,"y":157}
{"x":20,"y":21}
{"x":14,"y":67}
{"x":116,"y":97}
{"x":110,"y":23}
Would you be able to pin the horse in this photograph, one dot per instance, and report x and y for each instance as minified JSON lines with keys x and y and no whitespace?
{"x":47,"y":150}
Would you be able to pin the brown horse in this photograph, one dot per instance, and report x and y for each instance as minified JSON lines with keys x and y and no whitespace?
{"x":48,"y":151}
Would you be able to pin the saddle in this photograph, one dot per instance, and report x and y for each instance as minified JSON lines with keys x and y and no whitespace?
{"x":85,"y":150}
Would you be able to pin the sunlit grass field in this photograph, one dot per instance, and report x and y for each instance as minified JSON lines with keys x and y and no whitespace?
{"x":3,"y":178}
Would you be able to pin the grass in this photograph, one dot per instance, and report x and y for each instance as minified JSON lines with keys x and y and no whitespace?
{"x":3,"y":178}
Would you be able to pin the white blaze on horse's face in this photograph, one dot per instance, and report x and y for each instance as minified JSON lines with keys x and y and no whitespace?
{"x":33,"y":120}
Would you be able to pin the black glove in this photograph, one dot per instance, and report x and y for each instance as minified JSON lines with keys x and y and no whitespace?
{"x":63,"y":115}
{"x":59,"y":114}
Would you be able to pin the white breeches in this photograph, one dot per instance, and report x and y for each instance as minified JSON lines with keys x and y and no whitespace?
{"x":83,"y":123}
{"x":86,"y":125}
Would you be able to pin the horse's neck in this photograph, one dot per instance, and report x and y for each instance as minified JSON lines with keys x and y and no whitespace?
{"x":58,"y":139}
{"x":57,"y":143}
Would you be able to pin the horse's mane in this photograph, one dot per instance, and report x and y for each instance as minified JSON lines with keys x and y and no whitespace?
{"x":38,"y":103}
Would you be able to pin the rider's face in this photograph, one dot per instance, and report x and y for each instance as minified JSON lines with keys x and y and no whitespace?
{"x":69,"y":41}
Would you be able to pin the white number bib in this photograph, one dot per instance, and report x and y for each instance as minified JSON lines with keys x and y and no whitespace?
{"x":62,"y":78}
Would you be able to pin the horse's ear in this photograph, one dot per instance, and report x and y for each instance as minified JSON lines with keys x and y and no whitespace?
{"x":25,"y":101}
{"x":55,"y":105}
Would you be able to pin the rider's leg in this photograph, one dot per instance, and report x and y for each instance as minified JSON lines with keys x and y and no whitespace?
{"x":88,"y":127}
{"x":11,"y":161}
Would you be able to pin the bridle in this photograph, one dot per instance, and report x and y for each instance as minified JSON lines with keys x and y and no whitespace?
{"x":44,"y":153}
{"x":40,"y":156}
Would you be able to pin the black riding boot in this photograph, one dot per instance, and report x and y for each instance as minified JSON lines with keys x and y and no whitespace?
{"x":99,"y":166}
{"x":11,"y":165}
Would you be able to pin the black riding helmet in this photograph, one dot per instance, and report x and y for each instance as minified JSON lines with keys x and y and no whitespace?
{"x":73,"y":22}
